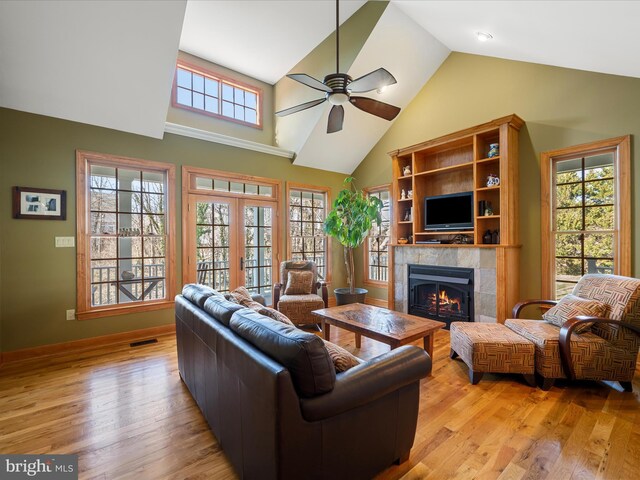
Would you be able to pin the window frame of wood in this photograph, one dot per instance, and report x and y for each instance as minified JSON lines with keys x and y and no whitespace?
{"x":367,"y":280}
{"x":302,"y":187}
{"x":620,"y":147}
{"x":221,"y":80}
{"x":84,"y":308}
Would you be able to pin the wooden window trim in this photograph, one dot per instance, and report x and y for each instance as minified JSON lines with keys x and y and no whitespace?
{"x":316,"y":189}
{"x":621,"y":146}
{"x":220,"y":78}
{"x":84,"y":310}
{"x":366,"y":280}
{"x":189,"y":175}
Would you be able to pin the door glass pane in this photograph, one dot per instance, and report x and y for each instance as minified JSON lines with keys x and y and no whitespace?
{"x":257,"y":250}
{"x":212,"y":245}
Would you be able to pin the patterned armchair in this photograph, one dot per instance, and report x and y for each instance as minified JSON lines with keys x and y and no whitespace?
{"x":608,"y":352}
{"x":298,"y":307}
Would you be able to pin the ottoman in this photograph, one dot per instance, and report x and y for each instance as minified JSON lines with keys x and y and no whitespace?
{"x":492,"y":348}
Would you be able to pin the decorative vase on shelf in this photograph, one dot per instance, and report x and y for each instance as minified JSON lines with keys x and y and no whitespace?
{"x":493,"y":180}
{"x":486,"y":238}
{"x":406,"y":170}
{"x":494,"y":150}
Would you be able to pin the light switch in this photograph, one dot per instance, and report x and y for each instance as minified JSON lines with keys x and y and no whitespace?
{"x":65,"y":242}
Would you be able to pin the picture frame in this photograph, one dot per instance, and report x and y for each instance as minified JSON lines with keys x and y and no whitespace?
{"x":39,"y":203}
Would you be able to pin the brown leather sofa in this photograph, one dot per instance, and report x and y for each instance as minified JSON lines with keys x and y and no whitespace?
{"x":271,"y":395}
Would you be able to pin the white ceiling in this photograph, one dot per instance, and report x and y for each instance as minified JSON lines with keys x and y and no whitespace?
{"x":262,"y":39}
{"x":599,"y":36}
{"x":110,"y":63}
{"x":103,"y":63}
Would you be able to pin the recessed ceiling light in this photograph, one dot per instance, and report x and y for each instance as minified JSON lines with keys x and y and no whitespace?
{"x":483,"y":36}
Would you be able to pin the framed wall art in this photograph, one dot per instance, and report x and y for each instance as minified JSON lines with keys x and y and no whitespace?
{"x":39,"y":203}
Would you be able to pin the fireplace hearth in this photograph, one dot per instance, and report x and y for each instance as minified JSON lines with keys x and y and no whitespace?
{"x":441,"y":293}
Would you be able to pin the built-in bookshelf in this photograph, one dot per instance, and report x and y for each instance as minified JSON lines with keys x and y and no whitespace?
{"x":460,"y":162}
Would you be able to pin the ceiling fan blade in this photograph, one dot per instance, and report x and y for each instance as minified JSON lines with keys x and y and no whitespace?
{"x":336,"y":117}
{"x":372,"y":81}
{"x":309,"y":81}
{"x":299,"y":108}
{"x":374,"y":107}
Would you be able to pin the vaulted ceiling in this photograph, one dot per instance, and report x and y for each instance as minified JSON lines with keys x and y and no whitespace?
{"x":111,"y":63}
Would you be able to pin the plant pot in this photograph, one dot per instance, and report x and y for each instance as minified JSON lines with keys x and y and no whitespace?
{"x":344,"y":297}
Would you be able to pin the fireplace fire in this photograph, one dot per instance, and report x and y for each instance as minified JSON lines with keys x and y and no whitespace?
{"x":441,"y":293}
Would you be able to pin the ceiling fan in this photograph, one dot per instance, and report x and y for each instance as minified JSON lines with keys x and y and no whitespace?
{"x":338,"y":88}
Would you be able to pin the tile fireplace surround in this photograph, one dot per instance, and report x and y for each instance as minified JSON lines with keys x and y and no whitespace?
{"x":482,"y":260}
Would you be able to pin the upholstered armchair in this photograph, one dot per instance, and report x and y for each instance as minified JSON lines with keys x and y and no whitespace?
{"x":296,"y":295}
{"x":607,"y":352}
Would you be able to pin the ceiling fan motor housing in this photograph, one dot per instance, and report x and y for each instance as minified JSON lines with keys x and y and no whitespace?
{"x":338,"y":83}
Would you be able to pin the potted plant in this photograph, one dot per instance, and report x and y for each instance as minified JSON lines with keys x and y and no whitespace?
{"x":349,"y":222}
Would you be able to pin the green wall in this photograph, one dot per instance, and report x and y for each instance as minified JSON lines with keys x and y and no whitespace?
{"x":561,"y":107}
{"x":38,"y":280}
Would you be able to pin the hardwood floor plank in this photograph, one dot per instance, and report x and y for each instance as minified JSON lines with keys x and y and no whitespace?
{"x":127,"y":414}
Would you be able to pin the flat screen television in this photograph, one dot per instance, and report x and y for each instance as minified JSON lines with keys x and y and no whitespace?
{"x":449,"y":212}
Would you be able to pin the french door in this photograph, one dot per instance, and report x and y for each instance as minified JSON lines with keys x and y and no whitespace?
{"x":232,"y":242}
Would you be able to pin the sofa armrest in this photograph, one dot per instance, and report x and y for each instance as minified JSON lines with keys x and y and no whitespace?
{"x":519,"y":306}
{"x":277,"y":287}
{"x":368,"y":382}
{"x":567,"y":330}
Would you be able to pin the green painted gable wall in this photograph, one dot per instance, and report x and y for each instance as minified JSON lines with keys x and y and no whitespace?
{"x":561,"y":107}
{"x":38,"y":280}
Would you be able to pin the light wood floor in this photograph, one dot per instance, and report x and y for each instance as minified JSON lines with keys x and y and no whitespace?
{"x":127,"y":414}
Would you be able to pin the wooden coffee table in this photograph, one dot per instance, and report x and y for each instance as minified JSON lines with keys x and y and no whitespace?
{"x":386,"y":326}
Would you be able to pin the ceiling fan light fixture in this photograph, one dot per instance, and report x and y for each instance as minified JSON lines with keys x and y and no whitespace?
{"x":381,"y":89}
{"x":483,"y":36}
{"x":338,"y":98}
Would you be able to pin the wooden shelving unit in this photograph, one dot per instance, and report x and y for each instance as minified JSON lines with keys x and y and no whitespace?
{"x":457,"y":163}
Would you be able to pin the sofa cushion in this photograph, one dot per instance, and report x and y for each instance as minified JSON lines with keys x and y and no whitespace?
{"x":221,"y":309}
{"x":342,"y":359}
{"x":302,"y":353}
{"x":299,"y":283}
{"x":571,"y":306}
{"x":198,"y":294}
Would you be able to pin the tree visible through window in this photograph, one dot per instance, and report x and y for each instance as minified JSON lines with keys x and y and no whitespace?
{"x":584,"y":219}
{"x":585,"y":222}
{"x":377,"y":243}
{"x":307,"y":240}
{"x":126,"y":211}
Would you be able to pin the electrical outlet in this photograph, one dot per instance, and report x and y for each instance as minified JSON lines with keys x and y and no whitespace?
{"x":71,"y":314}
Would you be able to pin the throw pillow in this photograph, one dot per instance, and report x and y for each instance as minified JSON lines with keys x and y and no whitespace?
{"x":299,"y":283}
{"x":572,"y":306}
{"x":274,"y":314}
{"x":341,"y":358}
{"x":242,"y":296}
